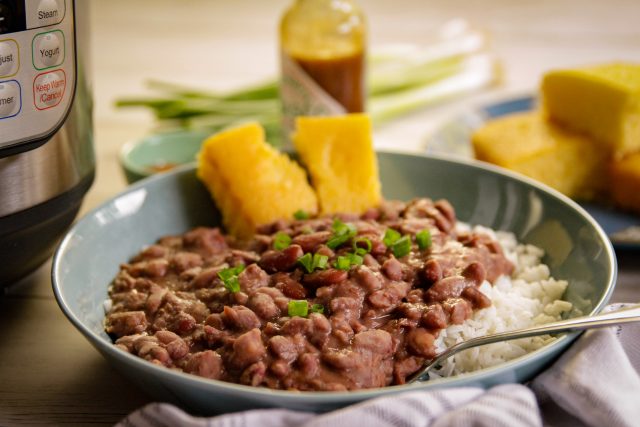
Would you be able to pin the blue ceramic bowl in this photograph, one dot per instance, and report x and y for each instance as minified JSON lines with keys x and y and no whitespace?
{"x":88,"y":258}
{"x":159,"y":152}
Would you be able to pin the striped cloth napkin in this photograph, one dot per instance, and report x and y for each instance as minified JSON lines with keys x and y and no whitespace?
{"x":595,"y":383}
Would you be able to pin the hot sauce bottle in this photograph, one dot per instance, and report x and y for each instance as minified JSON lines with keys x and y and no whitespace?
{"x":322,"y":60}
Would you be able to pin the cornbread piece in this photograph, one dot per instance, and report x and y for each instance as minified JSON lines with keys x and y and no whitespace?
{"x":338,"y":152}
{"x":529,"y":144}
{"x":251,"y":182}
{"x":624,"y":178}
{"x":601,"y":101}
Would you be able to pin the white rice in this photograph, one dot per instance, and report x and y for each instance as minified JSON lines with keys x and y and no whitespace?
{"x":529,"y":297}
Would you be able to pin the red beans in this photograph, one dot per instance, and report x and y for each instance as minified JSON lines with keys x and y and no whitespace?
{"x":247,"y":349}
{"x":368,"y":324}
{"x":310,"y":242}
{"x":420,"y":342}
{"x":324,"y":277}
{"x":431,"y":272}
{"x":285,"y":260}
{"x":126,"y":323}
{"x":392,"y":268}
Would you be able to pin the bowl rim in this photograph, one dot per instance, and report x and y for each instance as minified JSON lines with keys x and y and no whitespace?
{"x":124,"y":153}
{"x":329,"y":397}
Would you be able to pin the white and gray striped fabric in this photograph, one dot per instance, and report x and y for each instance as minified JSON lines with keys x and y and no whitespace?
{"x":595,"y":383}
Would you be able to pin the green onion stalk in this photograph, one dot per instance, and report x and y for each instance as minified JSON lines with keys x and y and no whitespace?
{"x":402,"y":79}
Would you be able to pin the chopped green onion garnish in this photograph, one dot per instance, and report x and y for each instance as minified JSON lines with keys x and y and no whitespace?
{"x":401,"y":247}
{"x":300,"y":214}
{"x":341,"y":233}
{"x":298,"y":308}
{"x":306,"y":261}
{"x":334,"y":242}
{"x":355,"y":259}
{"x":313,"y":262}
{"x":343,"y":263}
{"x":317,"y":308}
{"x":423,"y":238}
{"x":359,"y":249}
{"x":319,"y":262}
{"x":232,"y":284}
{"x":390,"y":237}
{"x":281,"y":241}
{"x":229,"y":277}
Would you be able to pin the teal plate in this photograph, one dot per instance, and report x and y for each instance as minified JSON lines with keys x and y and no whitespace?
{"x":454,"y":137}
{"x":89,"y":256}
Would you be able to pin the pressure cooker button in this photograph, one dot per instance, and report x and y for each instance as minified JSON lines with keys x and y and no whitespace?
{"x":44,"y":12}
{"x":48,"y":89}
{"x":48,"y":49}
{"x":10,"y":101}
{"x":9,"y":59}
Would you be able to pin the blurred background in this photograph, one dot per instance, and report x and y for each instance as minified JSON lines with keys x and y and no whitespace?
{"x":224,"y":45}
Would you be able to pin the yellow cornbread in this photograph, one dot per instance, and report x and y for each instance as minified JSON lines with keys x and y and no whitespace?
{"x":251,"y":182}
{"x":602,"y":101}
{"x":624,"y":176}
{"x":338,"y":152}
{"x":529,"y":144}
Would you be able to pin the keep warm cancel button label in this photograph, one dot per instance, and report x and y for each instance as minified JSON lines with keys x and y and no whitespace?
{"x":48,"y":89}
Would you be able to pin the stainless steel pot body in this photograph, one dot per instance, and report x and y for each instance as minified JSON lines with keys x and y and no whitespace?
{"x":43,"y":182}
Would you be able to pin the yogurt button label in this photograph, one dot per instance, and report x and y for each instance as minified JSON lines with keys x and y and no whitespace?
{"x":9,"y":61}
{"x":9,"y":99}
{"x":48,"y":50}
{"x":48,"y":89}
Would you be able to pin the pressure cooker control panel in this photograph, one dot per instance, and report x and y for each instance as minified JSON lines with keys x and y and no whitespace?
{"x":37,"y":71}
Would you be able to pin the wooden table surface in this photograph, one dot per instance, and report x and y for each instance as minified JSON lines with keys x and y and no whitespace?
{"x":49,"y":374}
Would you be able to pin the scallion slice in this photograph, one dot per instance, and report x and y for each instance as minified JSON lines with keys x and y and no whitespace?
{"x":401,"y":247}
{"x":343,"y":263}
{"x":317,"y":308}
{"x":229,"y":277}
{"x":358,"y":249}
{"x":300,"y":214}
{"x":281,"y":241}
{"x":355,"y":259}
{"x":319,"y":262}
{"x":390,"y":237}
{"x":298,"y":308}
{"x":306,"y":261}
{"x":341,"y":233}
{"x":423,"y":239}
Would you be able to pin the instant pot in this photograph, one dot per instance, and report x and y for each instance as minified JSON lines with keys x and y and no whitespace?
{"x":47,"y":161}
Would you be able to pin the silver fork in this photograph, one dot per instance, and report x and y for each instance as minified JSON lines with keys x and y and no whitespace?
{"x":625,"y":315}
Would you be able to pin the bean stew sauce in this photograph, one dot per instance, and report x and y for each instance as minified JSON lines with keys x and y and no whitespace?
{"x":330,"y":303}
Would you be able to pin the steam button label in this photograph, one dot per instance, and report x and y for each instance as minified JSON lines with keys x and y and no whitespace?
{"x":48,"y":50}
{"x":40,"y":13}
{"x":48,"y":89}
{"x":10,"y":101}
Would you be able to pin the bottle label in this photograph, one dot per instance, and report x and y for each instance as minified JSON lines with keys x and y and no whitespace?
{"x":302,"y":96}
